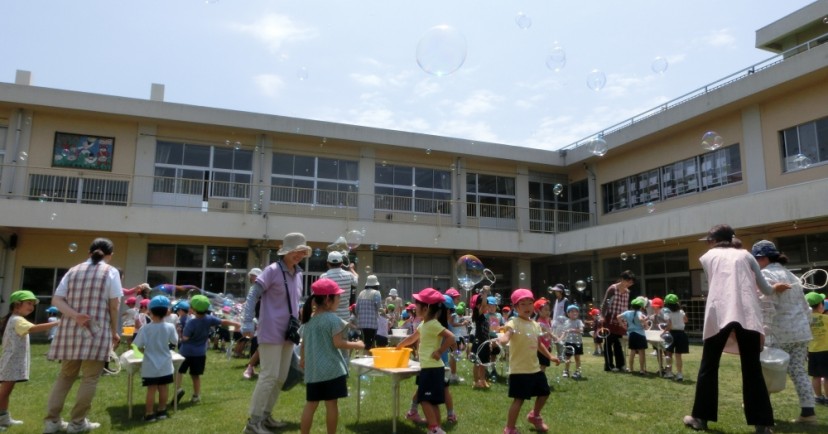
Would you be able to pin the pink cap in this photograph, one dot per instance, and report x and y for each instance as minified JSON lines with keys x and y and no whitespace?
{"x":145,"y":302}
{"x":130,"y":301}
{"x":429,"y":296}
{"x":520,"y":294}
{"x":452,"y":292}
{"x":325,"y":286}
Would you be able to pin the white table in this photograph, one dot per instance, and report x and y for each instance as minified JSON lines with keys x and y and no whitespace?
{"x":366,"y":364}
{"x":132,"y":366}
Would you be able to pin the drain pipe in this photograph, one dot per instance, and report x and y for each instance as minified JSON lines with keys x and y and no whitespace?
{"x":15,"y":151}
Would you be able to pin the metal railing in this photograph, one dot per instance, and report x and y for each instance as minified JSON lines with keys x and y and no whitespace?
{"x":722,"y":82}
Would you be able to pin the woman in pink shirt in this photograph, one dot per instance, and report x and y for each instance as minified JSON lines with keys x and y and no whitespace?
{"x":732,"y":323}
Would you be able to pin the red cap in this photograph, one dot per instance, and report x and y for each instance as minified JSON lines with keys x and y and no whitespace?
{"x":429,"y":296}
{"x":540,"y":303}
{"x":520,"y":294}
{"x":145,"y":302}
{"x":325,"y":286}
{"x":657,"y":302}
{"x":130,"y":301}
{"x":452,"y":292}
{"x":505,"y":308}
{"x":594,"y":312}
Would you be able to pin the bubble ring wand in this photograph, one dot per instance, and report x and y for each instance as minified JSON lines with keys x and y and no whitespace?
{"x":804,"y":279}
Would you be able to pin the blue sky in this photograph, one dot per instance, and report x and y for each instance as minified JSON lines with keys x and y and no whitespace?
{"x":355,"y":62}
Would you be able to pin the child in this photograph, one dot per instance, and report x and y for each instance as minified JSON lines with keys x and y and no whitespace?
{"x":543,"y":310}
{"x":326,"y":372}
{"x":157,"y":368}
{"x":194,"y":344}
{"x":675,"y":326}
{"x":481,"y":346}
{"x":525,"y":376}
{"x":595,"y":323}
{"x":495,"y":323}
{"x":573,"y":329}
{"x":506,"y":313}
{"x":381,"y":339}
{"x":141,"y":318}
{"x":434,"y":340}
{"x":14,"y":362}
{"x":818,"y":347}
{"x":458,"y":324}
{"x":53,"y":317}
{"x":634,"y":319}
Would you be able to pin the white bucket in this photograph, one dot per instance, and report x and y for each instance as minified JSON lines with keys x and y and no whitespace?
{"x":774,"y":368}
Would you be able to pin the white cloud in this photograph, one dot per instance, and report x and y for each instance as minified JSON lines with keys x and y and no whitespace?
{"x":275,"y":30}
{"x":479,"y":102}
{"x":720,"y":38}
{"x":367,"y":79}
{"x":269,"y":84}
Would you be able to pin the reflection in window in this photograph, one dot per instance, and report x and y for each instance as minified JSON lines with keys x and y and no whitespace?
{"x":412,"y":189}
{"x":809,"y":140}
{"x":314,"y":180}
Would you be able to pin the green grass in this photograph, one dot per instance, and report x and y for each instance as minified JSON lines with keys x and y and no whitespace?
{"x":601,"y":402}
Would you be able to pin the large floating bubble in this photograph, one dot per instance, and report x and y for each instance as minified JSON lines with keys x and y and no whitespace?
{"x":596,"y":80}
{"x":580,"y":285}
{"x":711,"y":141}
{"x":441,"y":50}
{"x":598,"y":146}
{"x":73,"y":247}
{"x":557,"y":189}
{"x":659,"y":65}
{"x":469,"y":271}
{"x":801,"y":161}
{"x":523,"y":21}
{"x":354,"y":238}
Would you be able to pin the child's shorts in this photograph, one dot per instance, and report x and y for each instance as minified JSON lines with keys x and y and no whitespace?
{"x":680,"y":345}
{"x":156,"y":381}
{"x":818,"y":364}
{"x":637,"y":341}
{"x":380,"y":341}
{"x":194,"y":363}
{"x":327,"y":390}
{"x":484,"y":354}
{"x":577,"y":349}
{"x":525,"y":386}
{"x":431,"y":385}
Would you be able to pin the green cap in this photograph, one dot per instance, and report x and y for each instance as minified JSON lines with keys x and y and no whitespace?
{"x":200,"y":303}
{"x":639,"y":302}
{"x":813,"y":298}
{"x":391,"y":306}
{"x":671,"y":299}
{"x":22,"y":295}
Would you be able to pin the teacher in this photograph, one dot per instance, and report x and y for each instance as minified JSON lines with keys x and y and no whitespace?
{"x":279,"y":288}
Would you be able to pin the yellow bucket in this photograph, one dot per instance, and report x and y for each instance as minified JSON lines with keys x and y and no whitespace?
{"x":128,"y":331}
{"x":391,"y":357}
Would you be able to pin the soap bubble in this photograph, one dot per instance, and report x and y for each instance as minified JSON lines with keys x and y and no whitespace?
{"x":801,"y":161}
{"x":624,"y":256}
{"x":73,"y":247}
{"x":556,"y":59}
{"x":598,"y":146}
{"x":580,"y":285}
{"x":666,"y":339}
{"x":317,"y":252}
{"x":650,"y":207}
{"x":557,"y":189}
{"x":711,"y":141}
{"x":596,"y":80}
{"x":43,"y":198}
{"x":522,"y":276}
{"x":340,"y":245}
{"x":302,"y":74}
{"x":659,"y":65}
{"x":469,"y":271}
{"x":237,"y":146}
{"x":428,"y":151}
{"x":23,"y":155}
{"x":53,"y":216}
{"x":368,"y":269}
{"x":441,"y":50}
{"x":353,"y":238}
{"x":523,"y":21}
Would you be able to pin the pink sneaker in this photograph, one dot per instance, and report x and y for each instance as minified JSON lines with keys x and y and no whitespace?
{"x":537,"y":421}
{"x":413,"y":416}
{"x":452,"y":418}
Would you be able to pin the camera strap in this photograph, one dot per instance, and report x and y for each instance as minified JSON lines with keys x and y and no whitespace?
{"x":287,"y":289}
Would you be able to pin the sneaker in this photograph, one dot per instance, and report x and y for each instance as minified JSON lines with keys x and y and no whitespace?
{"x":271,"y":423}
{"x":149,"y":418}
{"x":255,"y":428}
{"x":51,"y":427}
{"x":452,"y":418}
{"x":161,"y":414}
{"x":179,"y":395}
{"x":454,"y":379}
{"x":820,"y":400}
{"x":7,"y":421}
{"x":695,"y":423}
{"x":667,"y":374}
{"x":436,"y":430}
{"x":565,"y":374}
{"x":615,"y":370}
{"x":248,"y":373}
{"x":414,"y":416}
{"x":679,"y":377}
{"x":537,"y":421}
{"x":84,"y":426}
{"x":576,"y":375}
{"x":807,"y":420}
{"x":196,"y":399}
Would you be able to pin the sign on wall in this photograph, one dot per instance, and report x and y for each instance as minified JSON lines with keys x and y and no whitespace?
{"x":81,"y":151}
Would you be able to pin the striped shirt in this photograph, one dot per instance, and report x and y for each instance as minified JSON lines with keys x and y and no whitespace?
{"x":368,"y":305}
{"x":346,"y":280}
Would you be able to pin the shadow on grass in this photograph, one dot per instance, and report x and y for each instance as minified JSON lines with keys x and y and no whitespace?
{"x":384,"y":427}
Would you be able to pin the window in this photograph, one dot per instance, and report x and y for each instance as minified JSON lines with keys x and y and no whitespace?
{"x":579,"y":196}
{"x":42,"y":282}
{"x":412,"y":189}
{"x":202,"y":170}
{"x":543,"y":202}
{"x":217,"y":269}
{"x":615,"y":195}
{"x":490,"y":196}
{"x":411,"y":273}
{"x":809,"y":139}
{"x":721,"y":167}
{"x":644,"y":188}
{"x":314,"y":180}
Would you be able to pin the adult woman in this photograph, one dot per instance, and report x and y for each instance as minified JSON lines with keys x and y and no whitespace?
{"x":279,"y":288}
{"x":368,"y":307}
{"x":789,"y":326}
{"x":732,"y":323}
{"x":88,"y":296}
{"x":615,"y":303}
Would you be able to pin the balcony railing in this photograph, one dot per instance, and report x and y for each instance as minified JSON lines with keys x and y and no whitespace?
{"x":61,"y":185}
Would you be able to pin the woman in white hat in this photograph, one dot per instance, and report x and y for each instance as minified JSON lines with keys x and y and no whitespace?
{"x":279,"y":289}
{"x":393,"y":298}
{"x":368,"y":306}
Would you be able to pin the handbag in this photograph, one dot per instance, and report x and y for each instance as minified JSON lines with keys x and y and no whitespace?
{"x":292,"y":332}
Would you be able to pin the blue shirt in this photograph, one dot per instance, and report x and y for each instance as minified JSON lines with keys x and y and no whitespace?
{"x":323,"y":361}
{"x":155,"y":339}
{"x":197,"y":332}
{"x":634,"y":324}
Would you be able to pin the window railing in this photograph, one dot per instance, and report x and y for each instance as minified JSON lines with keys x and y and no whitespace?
{"x":59,"y":188}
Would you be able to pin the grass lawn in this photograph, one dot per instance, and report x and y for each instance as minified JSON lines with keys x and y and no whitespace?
{"x":600,"y":402}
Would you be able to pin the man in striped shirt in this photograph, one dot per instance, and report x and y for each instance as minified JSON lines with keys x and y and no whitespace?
{"x":346,"y":279}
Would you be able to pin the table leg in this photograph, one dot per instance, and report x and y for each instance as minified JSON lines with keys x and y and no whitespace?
{"x":660,"y":356}
{"x":129,"y":396}
{"x":395,"y":402}
{"x":176,"y":385}
{"x":359,"y":391}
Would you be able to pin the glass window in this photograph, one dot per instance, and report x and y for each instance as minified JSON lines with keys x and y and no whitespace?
{"x":213,"y":268}
{"x":809,"y":139}
{"x":189,"y":256}
{"x":179,"y":168}
{"x":412,"y":189}
{"x":314,"y":180}
{"x":160,"y":255}
{"x":494,"y":197}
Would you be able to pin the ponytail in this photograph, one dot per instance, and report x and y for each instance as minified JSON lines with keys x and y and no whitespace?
{"x":100,"y":248}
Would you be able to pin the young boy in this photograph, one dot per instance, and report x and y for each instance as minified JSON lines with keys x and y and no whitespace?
{"x":573,"y":338}
{"x":634,"y":318}
{"x":157,"y":368}
{"x":818,"y":347}
{"x":525,"y":376}
{"x":194,"y":343}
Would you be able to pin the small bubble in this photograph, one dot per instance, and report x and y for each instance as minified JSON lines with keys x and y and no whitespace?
{"x":659,"y":65}
{"x":711,"y":141}
{"x":53,"y":216}
{"x":237,"y":146}
{"x":523,"y":21}
{"x":73,"y":247}
{"x":23,"y":155}
{"x":522,"y":276}
{"x":302,"y":74}
{"x":43,"y":197}
{"x":624,"y":256}
{"x":596,"y":80}
{"x":428,"y":151}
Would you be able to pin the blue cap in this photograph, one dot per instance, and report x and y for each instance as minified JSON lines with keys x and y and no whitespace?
{"x":52,"y":309}
{"x":182,"y":305}
{"x":491,"y":300}
{"x":764,"y":248}
{"x":572,"y":307}
{"x":449,"y":303}
{"x":159,"y":301}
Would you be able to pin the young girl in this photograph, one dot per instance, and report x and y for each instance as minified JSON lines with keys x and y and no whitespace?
{"x":434,"y":340}
{"x":157,"y":368}
{"x":675,"y":325}
{"x":543,"y":310}
{"x":595,"y":322}
{"x":525,"y":376}
{"x":326,"y":372}
{"x":458,"y":326}
{"x":53,"y":317}
{"x":481,"y":347}
{"x":634,"y":318}
{"x":14,"y":362}
{"x":573,"y":337}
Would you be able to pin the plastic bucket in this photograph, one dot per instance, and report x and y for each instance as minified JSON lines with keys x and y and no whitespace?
{"x":128,"y":331}
{"x":774,"y":368}
{"x":391,"y":357}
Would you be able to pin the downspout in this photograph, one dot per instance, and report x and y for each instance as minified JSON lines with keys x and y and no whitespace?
{"x":15,"y":154}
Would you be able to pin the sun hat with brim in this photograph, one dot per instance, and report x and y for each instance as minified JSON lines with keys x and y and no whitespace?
{"x":764,"y":249}
{"x":22,"y":295}
{"x":557,"y":288}
{"x":452,"y":292}
{"x":255,"y":272}
{"x":372,"y":281}
{"x":671,"y":299}
{"x":325,"y":286}
{"x":814,"y":298}
{"x":520,"y":294}
{"x":657,"y":302}
{"x":429,"y":296}
{"x":293,"y":241}
{"x":200,"y":303}
{"x":392,"y":292}
{"x":159,"y":301}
